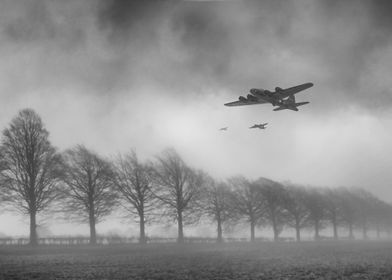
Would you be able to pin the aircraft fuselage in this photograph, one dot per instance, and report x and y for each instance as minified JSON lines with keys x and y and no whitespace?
{"x":265,"y":95}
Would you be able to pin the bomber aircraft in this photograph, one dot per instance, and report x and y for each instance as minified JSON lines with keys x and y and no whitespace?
{"x":224,"y":128}
{"x":260,"y":126}
{"x":276,"y":98}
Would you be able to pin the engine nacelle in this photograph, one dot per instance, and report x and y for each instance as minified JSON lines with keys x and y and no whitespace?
{"x":241,"y":98}
{"x":251,"y":97}
{"x":278,"y":89}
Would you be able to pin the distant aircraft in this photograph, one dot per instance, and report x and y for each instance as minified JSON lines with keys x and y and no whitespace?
{"x":224,"y":128}
{"x":260,"y":126}
{"x":290,"y":104}
{"x":276,"y":98}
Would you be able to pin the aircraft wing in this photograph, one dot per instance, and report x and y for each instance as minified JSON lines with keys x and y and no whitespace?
{"x":293,"y":90}
{"x":245,"y":102}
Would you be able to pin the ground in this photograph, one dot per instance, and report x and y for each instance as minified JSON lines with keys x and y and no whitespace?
{"x":308,"y":260}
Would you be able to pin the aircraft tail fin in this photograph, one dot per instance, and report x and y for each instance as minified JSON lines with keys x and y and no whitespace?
{"x":291,"y":98}
{"x":301,"y":103}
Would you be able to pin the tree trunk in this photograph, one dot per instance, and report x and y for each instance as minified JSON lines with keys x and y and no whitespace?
{"x":142,"y":237}
{"x":276,"y":232}
{"x":252,"y":231}
{"x":298,"y":231}
{"x":378,"y":231}
{"x":316,"y":231}
{"x":351,"y":233}
{"x":364,"y":231}
{"x":93,"y":235}
{"x":335,"y":230}
{"x":33,"y":229}
{"x":219,"y":238}
{"x":180,"y":238}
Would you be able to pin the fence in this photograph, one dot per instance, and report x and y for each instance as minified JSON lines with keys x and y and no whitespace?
{"x":107,"y":240}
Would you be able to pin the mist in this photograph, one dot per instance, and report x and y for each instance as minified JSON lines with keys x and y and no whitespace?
{"x":116,"y":75}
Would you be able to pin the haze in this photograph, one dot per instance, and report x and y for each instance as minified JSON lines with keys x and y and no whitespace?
{"x":116,"y":75}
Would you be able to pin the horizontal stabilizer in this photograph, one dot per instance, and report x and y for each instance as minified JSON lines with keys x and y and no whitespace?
{"x":301,"y":103}
{"x":279,"y":108}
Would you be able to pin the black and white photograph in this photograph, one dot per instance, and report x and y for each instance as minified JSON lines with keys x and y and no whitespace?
{"x":196,"y":139}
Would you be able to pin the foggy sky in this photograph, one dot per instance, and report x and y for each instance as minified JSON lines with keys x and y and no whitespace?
{"x":116,"y":75}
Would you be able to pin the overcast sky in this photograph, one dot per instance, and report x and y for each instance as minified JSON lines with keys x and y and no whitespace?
{"x":116,"y":75}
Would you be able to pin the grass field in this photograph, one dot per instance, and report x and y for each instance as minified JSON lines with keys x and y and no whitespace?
{"x":308,"y":260}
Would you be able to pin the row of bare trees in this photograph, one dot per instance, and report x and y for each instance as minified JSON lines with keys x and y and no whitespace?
{"x":35,"y":177}
{"x":267,"y":203}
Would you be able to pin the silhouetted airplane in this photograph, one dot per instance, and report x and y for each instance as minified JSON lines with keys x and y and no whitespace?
{"x":276,"y":98}
{"x":260,"y":126}
{"x":224,"y":128}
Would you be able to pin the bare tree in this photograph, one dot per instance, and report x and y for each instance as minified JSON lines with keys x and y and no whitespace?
{"x":29,"y":167}
{"x":385,"y":223}
{"x":364,"y":206}
{"x":218,"y":204}
{"x":247,"y":202}
{"x":134,"y":181}
{"x":381,"y":215}
{"x":348,"y":209}
{"x":333,"y":208}
{"x":297,"y":212}
{"x":315,"y":204}
{"x":89,"y":192}
{"x":179,"y":188}
{"x":272,"y":194}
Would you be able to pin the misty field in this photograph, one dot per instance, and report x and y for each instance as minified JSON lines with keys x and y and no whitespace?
{"x":308,"y":260}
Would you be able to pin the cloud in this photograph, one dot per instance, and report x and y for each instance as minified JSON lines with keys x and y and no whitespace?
{"x":187,"y":48}
{"x":238,"y":45}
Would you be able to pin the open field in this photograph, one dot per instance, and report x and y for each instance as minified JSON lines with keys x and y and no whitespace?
{"x":308,"y":260}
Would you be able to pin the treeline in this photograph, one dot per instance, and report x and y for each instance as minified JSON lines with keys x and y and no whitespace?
{"x":117,"y":239}
{"x":35,"y":177}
